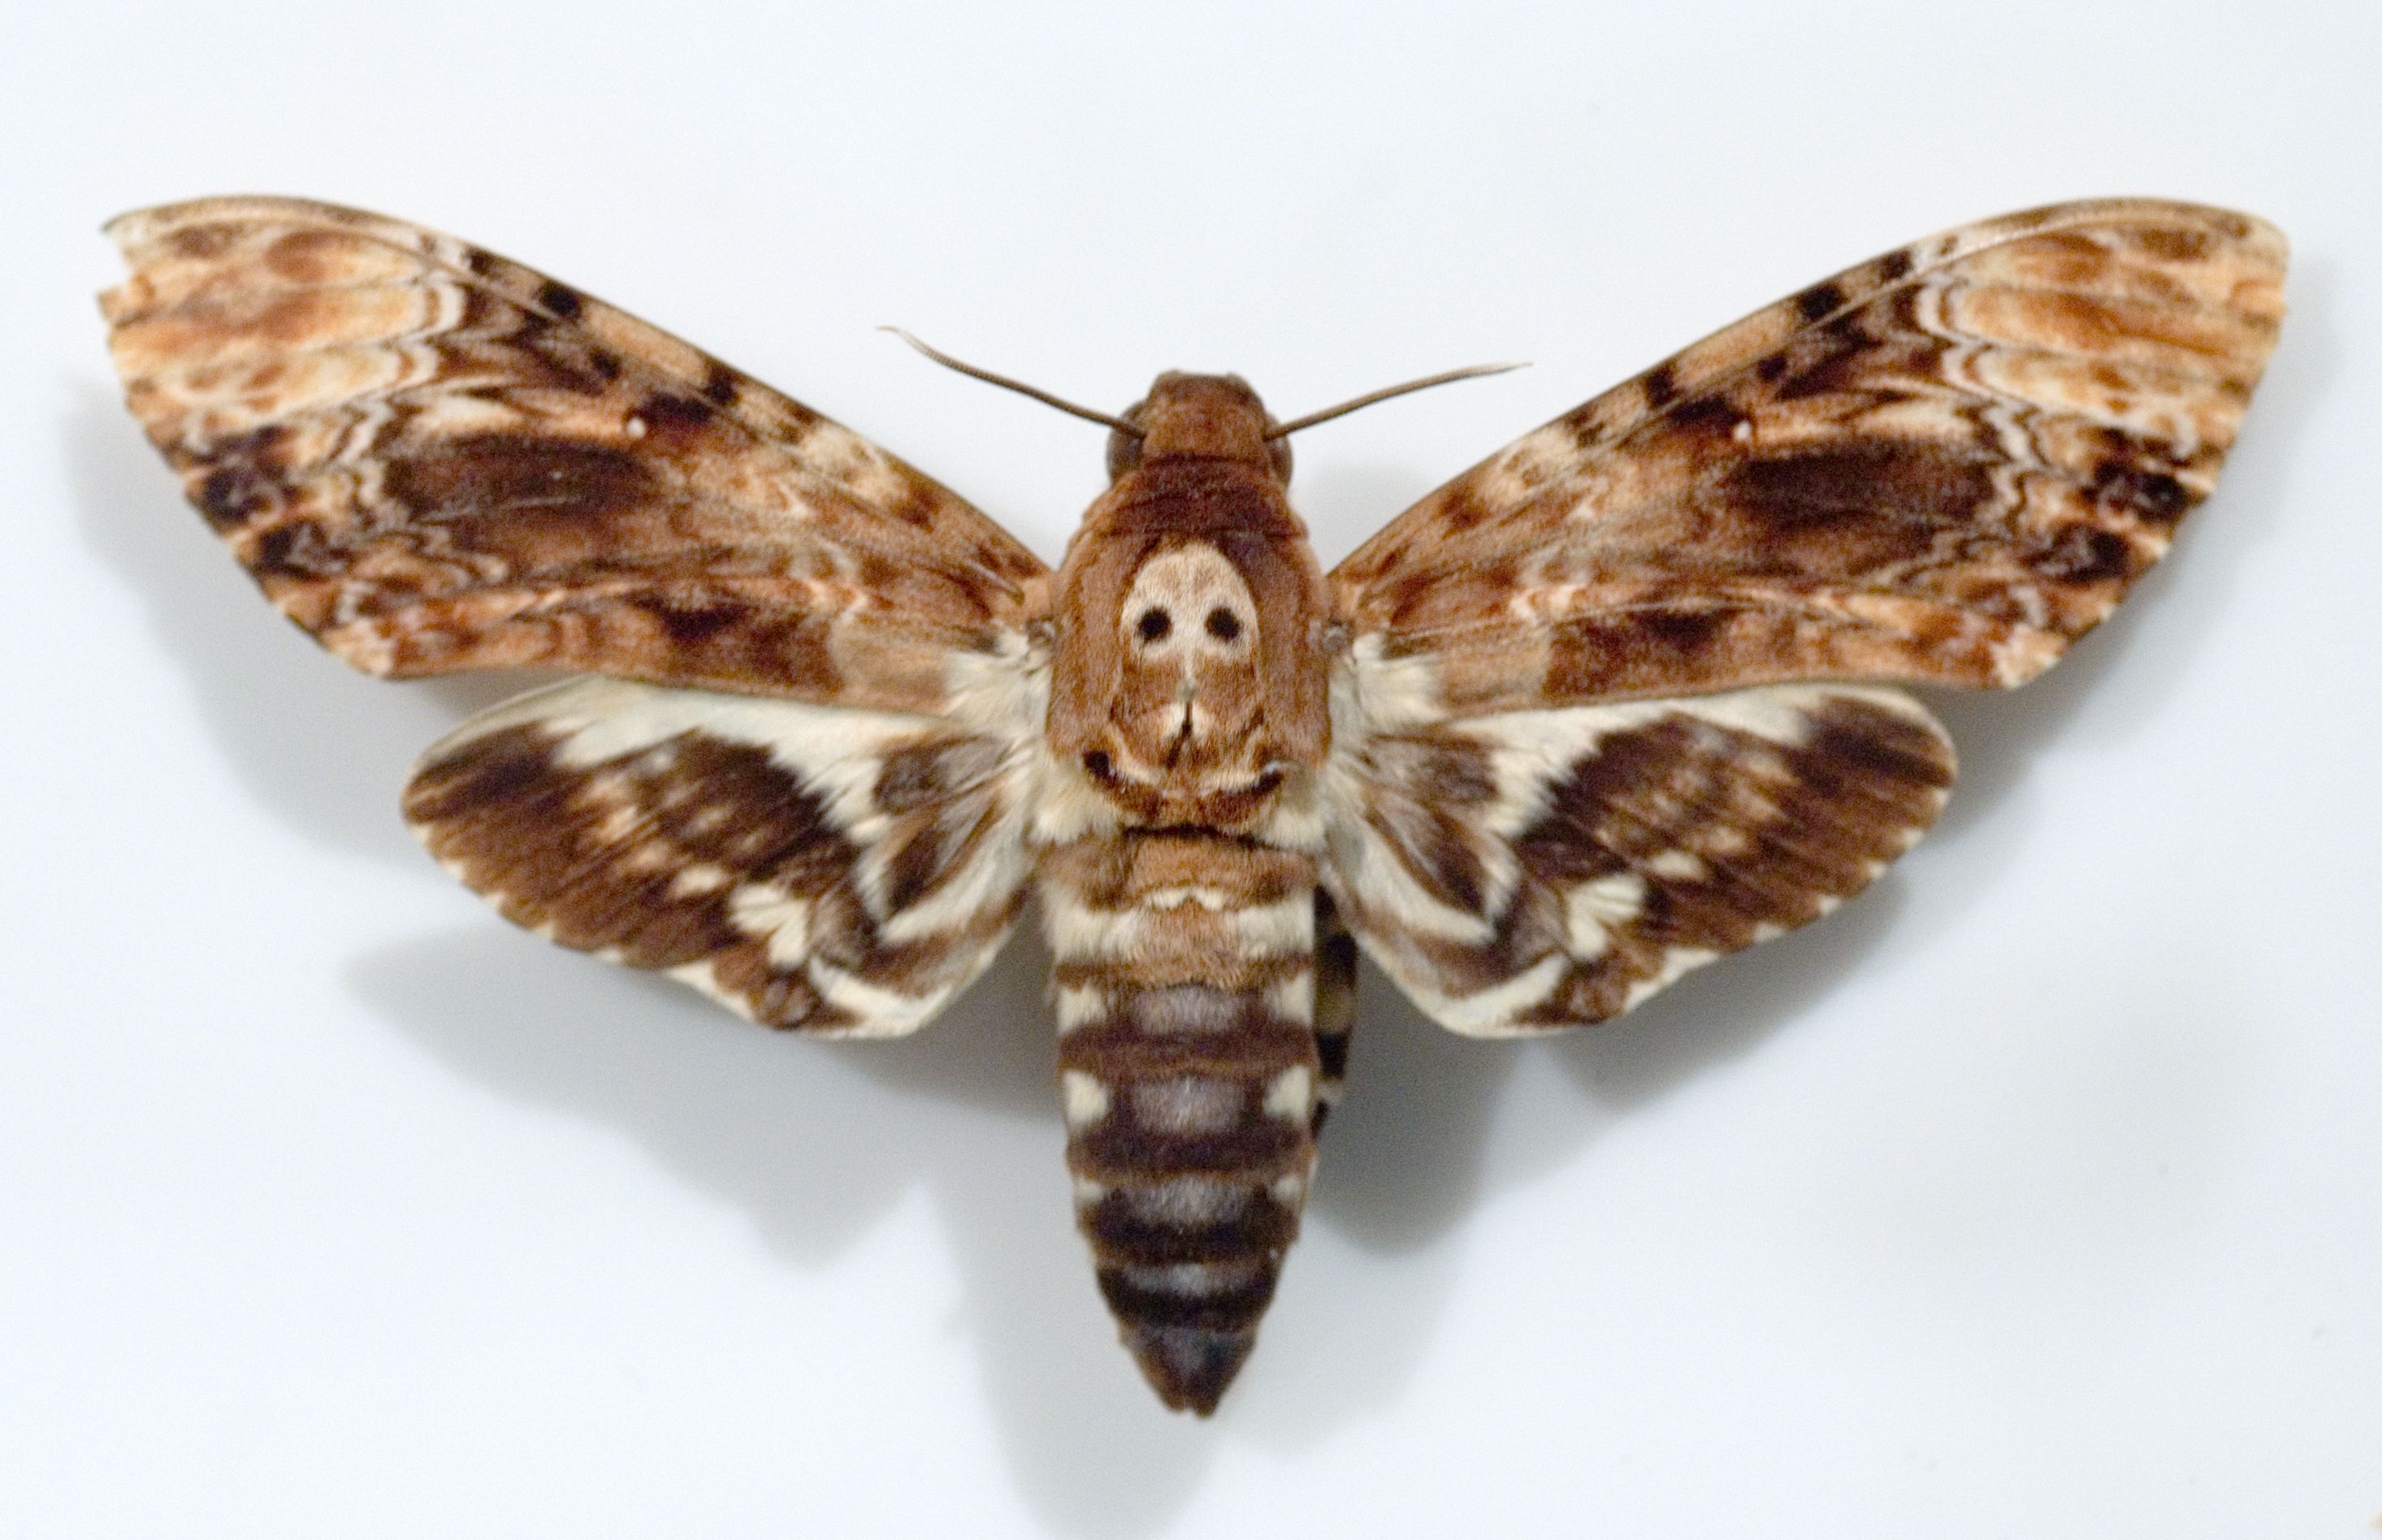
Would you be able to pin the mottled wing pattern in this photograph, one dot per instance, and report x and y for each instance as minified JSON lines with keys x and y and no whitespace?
{"x":1943,"y":465}
{"x":1539,"y":870}
{"x":434,"y":458}
{"x":1570,"y":761}
{"x":836,"y":870}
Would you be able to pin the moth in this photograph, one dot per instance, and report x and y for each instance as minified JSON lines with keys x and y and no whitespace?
{"x":1614,"y":702}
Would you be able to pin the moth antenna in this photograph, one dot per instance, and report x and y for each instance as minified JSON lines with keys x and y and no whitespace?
{"x":989,"y":377}
{"x":1345,"y":408}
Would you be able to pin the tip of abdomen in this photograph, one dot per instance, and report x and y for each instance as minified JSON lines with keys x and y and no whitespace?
{"x":1190,"y":1075}
{"x":1188,"y":1265}
{"x":1191,"y":1324}
{"x":1189,"y":1367}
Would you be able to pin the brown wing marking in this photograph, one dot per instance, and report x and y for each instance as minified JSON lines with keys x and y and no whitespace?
{"x":434,"y":458}
{"x":1541,"y":870}
{"x":1336,"y":1004}
{"x":838,"y":871}
{"x":1943,"y":465}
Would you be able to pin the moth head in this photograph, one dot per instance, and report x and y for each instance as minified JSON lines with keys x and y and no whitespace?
{"x":1201,"y":416}
{"x":1219,"y":417}
{"x":1212,"y":417}
{"x":1186,"y":682}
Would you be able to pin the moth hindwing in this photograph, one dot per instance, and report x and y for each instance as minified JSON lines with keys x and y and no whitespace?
{"x":1612,"y":704}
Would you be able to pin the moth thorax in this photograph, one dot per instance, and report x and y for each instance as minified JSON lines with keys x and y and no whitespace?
{"x":1188,"y":706}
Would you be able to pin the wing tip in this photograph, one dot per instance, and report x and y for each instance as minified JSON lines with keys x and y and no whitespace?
{"x":2245,"y":235}
{"x":135,"y":230}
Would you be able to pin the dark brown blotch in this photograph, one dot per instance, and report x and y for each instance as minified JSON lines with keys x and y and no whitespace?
{"x":1884,"y":486}
{"x":916,"y":865}
{"x":1819,"y":302}
{"x":236,"y":493}
{"x":1233,"y":1308}
{"x":1432,"y":846}
{"x":520,"y":474}
{"x":1256,"y":1139}
{"x":1706,"y":414}
{"x":1570,"y":843}
{"x":1682,"y":630}
{"x":719,"y":386}
{"x":284,"y":551}
{"x":2149,"y":493}
{"x":246,"y":478}
{"x":560,"y":300}
{"x":694,"y":624}
{"x":1121,"y":1229}
{"x":2085,"y":554}
{"x":1331,"y":1048}
{"x":1842,"y":357}
{"x":1905,"y":763}
{"x":672,"y":415}
{"x":1459,"y":510}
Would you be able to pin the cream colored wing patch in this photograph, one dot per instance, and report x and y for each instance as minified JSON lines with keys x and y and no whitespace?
{"x":837,"y":872}
{"x":1539,"y":870}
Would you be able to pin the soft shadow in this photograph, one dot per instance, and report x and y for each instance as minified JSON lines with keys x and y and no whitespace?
{"x":1723,"y":1012}
{"x":815,"y":1143}
{"x":323,"y":747}
{"x":1401,"y":1160}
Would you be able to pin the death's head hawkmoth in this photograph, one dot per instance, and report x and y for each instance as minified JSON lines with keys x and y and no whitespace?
{"x":1609,"y":706}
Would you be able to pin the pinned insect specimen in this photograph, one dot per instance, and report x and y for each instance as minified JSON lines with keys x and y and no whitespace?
{"x":1609,"y":706}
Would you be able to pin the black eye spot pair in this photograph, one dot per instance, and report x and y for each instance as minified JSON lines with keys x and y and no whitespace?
{"x":1154,"y":625}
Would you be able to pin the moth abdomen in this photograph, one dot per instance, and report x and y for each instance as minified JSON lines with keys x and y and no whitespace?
{"x":1191,"y":1163}
{"x":1190,"y":1071}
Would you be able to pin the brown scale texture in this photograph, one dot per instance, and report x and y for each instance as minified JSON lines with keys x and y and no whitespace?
{"x":696,"y":849}
{"x":434,"y":458}
{"x":1945,"y":464}
{"x":1191,"y":1086}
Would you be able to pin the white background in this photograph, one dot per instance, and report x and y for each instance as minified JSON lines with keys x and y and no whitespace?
{"x":2039,"y":1193}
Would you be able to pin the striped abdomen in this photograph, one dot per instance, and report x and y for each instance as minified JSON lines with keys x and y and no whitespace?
{"x":1184,"y":969}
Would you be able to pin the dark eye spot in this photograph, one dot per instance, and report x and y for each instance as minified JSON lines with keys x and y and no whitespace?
{"x":1154,"y":625}
{"x":1223,"y":624}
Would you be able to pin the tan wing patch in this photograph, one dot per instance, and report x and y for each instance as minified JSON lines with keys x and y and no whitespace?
{"x":840,"y":872}
{"x":1943,"y":465}
{"x":435,"y":458}
{"x":1541,"y":870}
